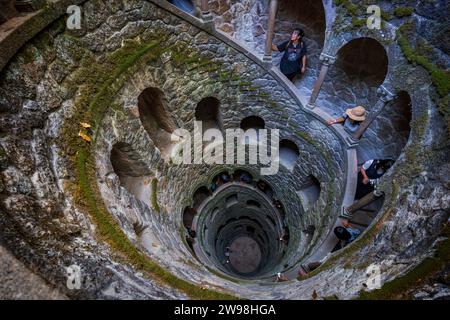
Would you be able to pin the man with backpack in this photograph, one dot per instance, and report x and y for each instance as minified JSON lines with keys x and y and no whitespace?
{"x":293,"y":61}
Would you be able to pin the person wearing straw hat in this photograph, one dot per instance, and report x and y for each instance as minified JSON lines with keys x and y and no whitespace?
{"x":351,"y":119}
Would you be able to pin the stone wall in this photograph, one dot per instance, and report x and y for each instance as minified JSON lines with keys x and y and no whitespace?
{"x":59,"y":192}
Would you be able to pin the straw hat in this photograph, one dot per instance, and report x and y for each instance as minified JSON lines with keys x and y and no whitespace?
{"x":358,"y":113}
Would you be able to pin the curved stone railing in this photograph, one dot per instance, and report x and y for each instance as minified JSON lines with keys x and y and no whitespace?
{"x":230,"y":184}
{"x":322,"y":250}
{"x":198,"y":251}
{"x":17,"y":31}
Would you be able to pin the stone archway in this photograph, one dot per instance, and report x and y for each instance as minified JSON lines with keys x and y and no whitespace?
{"x":361,"y":67}
{"x":156,"y":119}
{"x":134,"y":175}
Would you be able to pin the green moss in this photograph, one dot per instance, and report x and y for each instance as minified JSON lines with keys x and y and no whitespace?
{"x":440,"y":78}
{"x":358,"y":23}
{"x":111,"y":232}
{"x":418,"y":276}
{"x":386,"y":16}
{"x":404,"y":174}
{"x":401,"y":12}
{"x":351,"y":8}
{"x":444,"y":108}
{"x":245,"y":83}
{"x":98,"y":83}
{"x":154,"y":199}
{"x":235,"y":78}
{"x":339,"y":2}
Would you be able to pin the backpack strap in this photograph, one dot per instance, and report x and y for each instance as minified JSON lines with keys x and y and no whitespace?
{"x":288,"y":44}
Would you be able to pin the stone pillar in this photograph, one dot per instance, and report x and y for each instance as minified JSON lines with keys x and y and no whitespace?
{"x":8,"y":10}
{"x":364,"y":201}
{"x":327,"y":60}
{"x":206,"y":14}
{"x":385,"y":98}
{"x":273,"y":7}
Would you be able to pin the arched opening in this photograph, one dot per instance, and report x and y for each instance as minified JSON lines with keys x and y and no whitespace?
{"x":363,"y":60}
{"x":9,"y":10}
{"x":231,"y":200}
{"x":247,"y":21}
{"x":243,"y":176}
{"x":309,"y":193}
{"x":220,"y":179}
{"x":394,"y":125}
{"x":155,"y":119}
{"x":199,"y":196}
{"x":252,"y":122}
{"x":389,"y":132}
{"x":308,"y":15}
{"x":265,"y":187}
{"x":289,"y":154}
{"x":188,"y":216}
{"x":208,"y":112}
{"x":133,"y":174}
{"x":361,"y":67}
{"x":253,"y":203}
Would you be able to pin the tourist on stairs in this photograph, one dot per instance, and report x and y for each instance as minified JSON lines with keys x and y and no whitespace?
{"x":370,"y":171}
{"x":293,"y":61}
{"x":346,"y":234}
{"x":351,"y":119}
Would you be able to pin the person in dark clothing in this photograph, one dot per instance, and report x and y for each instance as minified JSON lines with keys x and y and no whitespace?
{"x":225,"y":177}
{"x":370,"y":171}
{"x":246,"y":178}
{"x":293,"y":61}
{"x":346,"y":234}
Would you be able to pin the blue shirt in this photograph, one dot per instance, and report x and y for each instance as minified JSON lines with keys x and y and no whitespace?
{"x":350,"y":126}
{"x":354,"y":234}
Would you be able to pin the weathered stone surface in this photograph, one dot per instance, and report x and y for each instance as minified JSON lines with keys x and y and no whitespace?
{"x":43,"y":87}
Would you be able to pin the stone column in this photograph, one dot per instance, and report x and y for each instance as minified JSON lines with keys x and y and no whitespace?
{"x":364,"y":201}
{"x":385,"y":98}
{"x":206,"y":14}
{"x":327,"y":60}
{"x":273,"y":7}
